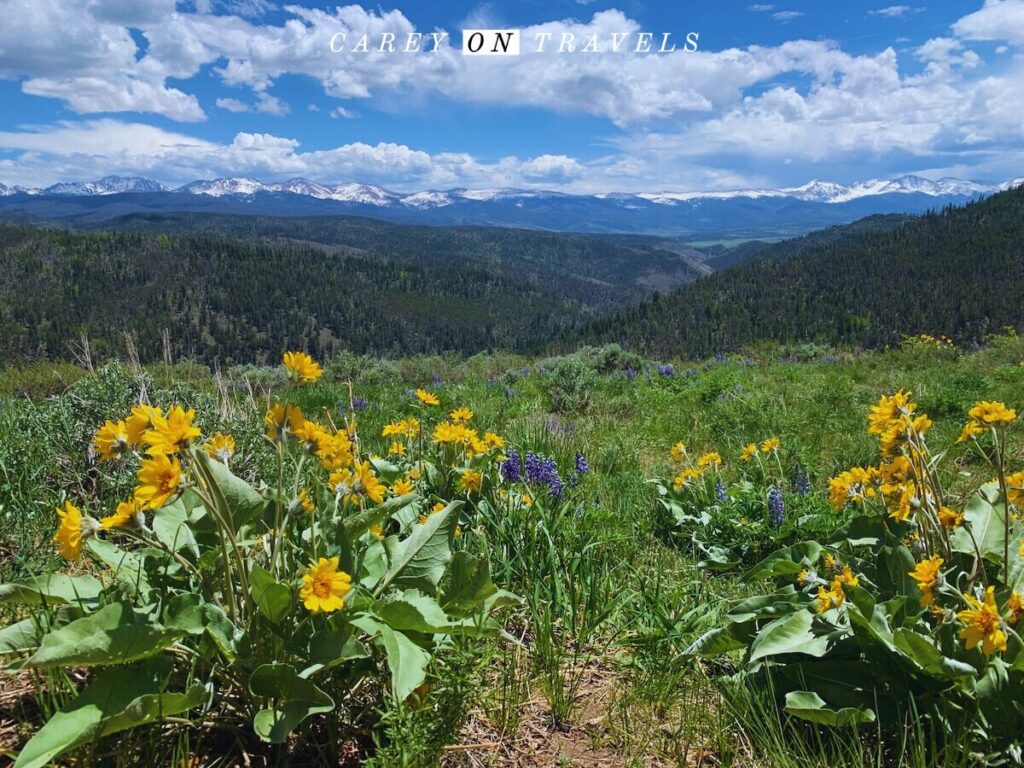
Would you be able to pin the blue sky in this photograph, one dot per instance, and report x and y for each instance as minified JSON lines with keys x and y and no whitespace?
{"x":777,"y":94}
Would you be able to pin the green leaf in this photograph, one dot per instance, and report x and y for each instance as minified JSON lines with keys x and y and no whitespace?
{"x":779,"y":603}
{"x":386,"y":469}
{"x":243,"y":501}
{"x":295,"y":698}
{"x":406,"y":660}
{"x":332,"y":647}
{"x":984,"y":516}
{"x":170,"y":524}
{"x":923,"y":652}
{"x":116,"y":699}
{"x":420,"y":559}
{"x":715,"y":642}
{"x":467,"y":584}
{"x":273,"y":599}
{"x":24,"y":635}
{"x":358,"y":524}
{"x":111,"y":635}
{"x":808,"y":705}
{"x":412,"y":611}
{"x":789,"y":634}
{"x":52,"y":589}
{"x":787,"y":562}
{"x":129,"y":567}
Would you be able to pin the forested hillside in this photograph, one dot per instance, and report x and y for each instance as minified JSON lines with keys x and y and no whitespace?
{"x":597,"y":270}
{"x":959,"y":272}
{"x":225,"y":299}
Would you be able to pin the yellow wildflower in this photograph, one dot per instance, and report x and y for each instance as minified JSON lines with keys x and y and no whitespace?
{"x":438,"y":507}
{"x":357,"y":483}
{"x":684,"y":477}
{"x":950,"y":518}
{"x":377,"y":531}
{"x":449,"y":433}
{"x":220,"y":447}
{"x":141,"y":419}
{"x":301,"y":502}
{"x":427,"y":398}
{"x":402,"y":486}
{"x":301,"y":367}
{"x":111,"y":440}
{"x":461,"y":414}
{"x":171,"y":433}
{"x":471,"y":481}
{"x":709,"y":460}
{"x":73,"y":530}
{"x":335,"y":451}
{"x":830,"y":598}
{"x":397,"y":448}
{"x":679,"y":451}
{"x":282,"y":420}
{"x":312,"y":437}
{"x":493,"y":440}
{"x":926,"y":574}
{"x":888,"y":409}
{"x":1015,"y":608}
{"x":324,"y":587}
{"x":970,"y":431}
{"x":1015,"y":488}
{"x":992,"y":414}
{"x":127,"y":513}
{"x":749,"y":452}
{"x":159,"y":479}
{"x":771,"y":444}
{"x":983,"y":624}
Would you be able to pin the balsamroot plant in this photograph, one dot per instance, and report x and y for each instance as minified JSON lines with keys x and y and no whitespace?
{"x":910,"y":612}
{"x":258,"y":606}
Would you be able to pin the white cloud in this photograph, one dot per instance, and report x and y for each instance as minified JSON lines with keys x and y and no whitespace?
{"x":997,"y":20}
{"x":234,"y":105}
{"x":784,"y":17}
{"x":342,"y":113}
{"x":760,"y":8}
{"x":894,"y":11}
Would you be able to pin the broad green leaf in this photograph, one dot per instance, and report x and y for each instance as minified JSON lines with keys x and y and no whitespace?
{"x":332,"y":647}
{"x":789,"y":634}
{"x":52,"y":589}
{"x":984,"y":515}
{"x":386,"y":469}
{"x":924,"y":653}
{"x":294,"y":699}
{"x":273,"y":598}
{"x":243,"y":501}
{"x":129,"y":567}
{"x":24,"y":635}
{"x":808,"y":705}
{"x":412,"y":611}
{"x":116,"y":699}
{"x":779,"y":603}
{"x":466,"y":584}
{"x":358,"y":524}
{"x":714,"y":642}
{"x":406,"y":660}
{"x":787,"y":562}
{"x":111,"y":635}
{"x":170,"y":524}
{"x":185,"y":612}
{"x":420,"y":559}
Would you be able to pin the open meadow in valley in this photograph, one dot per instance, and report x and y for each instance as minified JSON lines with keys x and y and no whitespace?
{"x":792,"y":555}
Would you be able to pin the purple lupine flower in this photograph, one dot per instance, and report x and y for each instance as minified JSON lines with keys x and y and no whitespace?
{"x":360,"y":404}
{"x":541,"y":470}
{"x":574,"y":479}
{"x":666,"y":370}
{"x":630,"y":373}
{"x":438,"y":381}
{"x":511,"y":468}
{"x":580,"y":463}
{"x":719,"y":357}
{"x":776,"y":507}
{"x":801,"y":482}
{"x":508,"y":393}
{"x":720,"y":493}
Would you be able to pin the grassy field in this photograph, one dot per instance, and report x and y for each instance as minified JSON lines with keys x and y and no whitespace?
{"x":612,"y":594}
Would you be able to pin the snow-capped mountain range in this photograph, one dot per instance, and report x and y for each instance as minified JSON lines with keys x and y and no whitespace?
{"x":733,"y":213}
{"x":369,"y":194}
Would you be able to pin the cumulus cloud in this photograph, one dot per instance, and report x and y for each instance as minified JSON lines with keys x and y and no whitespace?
{"x":997,"y":20}
{"x":784,"y":17}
